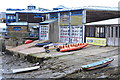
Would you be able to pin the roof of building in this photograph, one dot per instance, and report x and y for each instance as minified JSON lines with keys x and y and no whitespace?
{"x":3,"y":25}
{"x":48,"y":21}
{"x":99,"y":8}
{"x":102,"y":8}
{"x":18,"y":23}
{"x":105,"y":22}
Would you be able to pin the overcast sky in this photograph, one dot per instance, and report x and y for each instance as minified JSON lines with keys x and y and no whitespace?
{"x":49,"y":4}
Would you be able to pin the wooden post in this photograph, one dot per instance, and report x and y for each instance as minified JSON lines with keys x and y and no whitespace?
{"x":2,"y":47}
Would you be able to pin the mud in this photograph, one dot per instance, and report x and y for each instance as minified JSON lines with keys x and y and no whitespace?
{"x":65,"y":66}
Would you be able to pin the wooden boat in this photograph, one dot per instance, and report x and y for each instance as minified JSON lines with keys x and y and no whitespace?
{"x":28,"y":41}
{"x":98,"y":64}
{"x":42,"y":44}
{"x":71,"y":47}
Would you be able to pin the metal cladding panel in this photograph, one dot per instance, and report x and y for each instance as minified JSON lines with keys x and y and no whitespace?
{"x":64,"y":18}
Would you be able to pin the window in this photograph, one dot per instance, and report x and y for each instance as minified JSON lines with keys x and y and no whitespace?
{"x":116,"y":31}
{"x":102,"y":32}
{"x":108,"y":31}
{"x":76,"y":13}
{"x":119,"y":32}
{"x":111,"y":29}
{"x":17,"y":29}
{"x":53,"y":15}
{"x":97,"y":32}
{"x":92,"y":31}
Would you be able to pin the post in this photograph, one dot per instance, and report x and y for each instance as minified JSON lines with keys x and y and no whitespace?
{"x":2,"y":47}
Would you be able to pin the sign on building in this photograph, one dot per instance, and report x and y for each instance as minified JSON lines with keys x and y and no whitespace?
{"x":96,"y":41}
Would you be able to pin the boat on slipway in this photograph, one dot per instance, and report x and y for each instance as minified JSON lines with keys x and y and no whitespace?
{"x":28,"y":41}
{"x":97,"y":65}
{"x":71,"y":47}
{"x":42,"y":44}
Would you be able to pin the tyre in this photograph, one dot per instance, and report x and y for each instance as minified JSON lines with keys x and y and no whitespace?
{"x":47,"y":51}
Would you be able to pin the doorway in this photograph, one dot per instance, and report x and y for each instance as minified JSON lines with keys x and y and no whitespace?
{"x":113,"y":35}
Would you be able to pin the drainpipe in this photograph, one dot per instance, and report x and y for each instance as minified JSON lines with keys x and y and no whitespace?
{"x":59,"y":24}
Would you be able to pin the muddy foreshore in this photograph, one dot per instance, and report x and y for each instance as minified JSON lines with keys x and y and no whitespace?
{"x":13,"y":62}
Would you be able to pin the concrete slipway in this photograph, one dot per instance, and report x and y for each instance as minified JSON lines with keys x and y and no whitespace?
{"x":35,"y":54}
{"x":38,"y":54}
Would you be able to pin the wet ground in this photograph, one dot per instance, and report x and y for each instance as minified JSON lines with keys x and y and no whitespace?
{"x":66,"y":66}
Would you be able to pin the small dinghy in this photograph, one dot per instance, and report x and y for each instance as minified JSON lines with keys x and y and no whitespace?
{"x":71,"y":47}
{"x":97,"y":65}
{"x":42,"y":44}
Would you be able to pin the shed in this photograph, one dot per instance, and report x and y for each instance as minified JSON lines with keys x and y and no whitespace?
{"x":106,"y":32}
{"x":49,"y":30}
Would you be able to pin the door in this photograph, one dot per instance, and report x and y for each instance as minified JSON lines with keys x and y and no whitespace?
{"x":113,"y":35}
{"x":44,"y":32}
{"x":64,"y":34}
{"x":76,"y":34}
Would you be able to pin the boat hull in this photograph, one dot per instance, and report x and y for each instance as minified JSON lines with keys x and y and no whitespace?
{"x":42,"y":44}
{"x":28,"y":41}
{"x":97,"y":65}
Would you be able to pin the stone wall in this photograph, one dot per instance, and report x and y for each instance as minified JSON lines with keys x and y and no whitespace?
{"x":14,"y":41}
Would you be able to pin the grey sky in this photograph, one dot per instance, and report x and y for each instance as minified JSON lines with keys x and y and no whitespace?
{"x":49,"y":4}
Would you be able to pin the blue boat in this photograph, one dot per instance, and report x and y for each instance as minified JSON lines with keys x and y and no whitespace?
{"x":98,"y":64}
{"x":42,"y":44}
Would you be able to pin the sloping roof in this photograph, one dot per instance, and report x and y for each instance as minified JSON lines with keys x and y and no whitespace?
{"x":48,"y":21}
{"x":105,"y":22}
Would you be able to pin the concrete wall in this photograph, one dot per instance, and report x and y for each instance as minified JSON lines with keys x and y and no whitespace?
{"x":14,"y":41}
{"x":18,"y":34}
{"x":54,"y":32}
